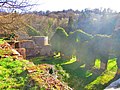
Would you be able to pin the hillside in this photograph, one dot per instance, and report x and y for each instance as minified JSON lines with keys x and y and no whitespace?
{"x":77,"y":49}
{"x":20,"y":74}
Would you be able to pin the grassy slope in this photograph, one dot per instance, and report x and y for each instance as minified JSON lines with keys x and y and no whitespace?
{"x":13,"y":76}
{"x":80,"y":78}
{"x":25,"y":75}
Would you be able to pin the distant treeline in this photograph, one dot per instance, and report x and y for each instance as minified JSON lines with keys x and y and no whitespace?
{"x":87,"y":10}
{"x":95,"y":21}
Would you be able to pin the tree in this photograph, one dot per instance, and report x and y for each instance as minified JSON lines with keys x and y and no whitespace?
{"x":58,"y":41}
{"x":12,"y":5}
{"x":10,"y":20}
{"x":70,"y":25}
{"x":7,"y":20}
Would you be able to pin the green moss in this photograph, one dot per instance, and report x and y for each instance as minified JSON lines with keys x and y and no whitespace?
{"x":10,"y":74}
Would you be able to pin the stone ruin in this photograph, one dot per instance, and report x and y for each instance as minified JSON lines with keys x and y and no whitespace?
{"x":8,"y":50}
{"x":36,"y":46}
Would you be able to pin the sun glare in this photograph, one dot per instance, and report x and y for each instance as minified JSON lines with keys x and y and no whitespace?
{"x":58,"y":5}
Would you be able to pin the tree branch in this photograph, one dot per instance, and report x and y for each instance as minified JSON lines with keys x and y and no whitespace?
{"x":15,"y":4}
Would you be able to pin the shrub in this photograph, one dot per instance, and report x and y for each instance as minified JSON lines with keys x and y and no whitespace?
{"x":74,"y":42}
{"x":58,"y":40}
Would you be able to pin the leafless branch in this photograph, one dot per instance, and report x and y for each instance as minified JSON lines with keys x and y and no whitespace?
{"x":16,"y":4}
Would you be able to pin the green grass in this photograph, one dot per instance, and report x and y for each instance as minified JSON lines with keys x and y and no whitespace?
{"x":97,"y":63}
{"x":1,"y":41}
{"x":48,"y":60}
{"x":70,"y":61}
{"x":80,"y":77}
{"x":112,"y":65}
{"x":13,"y":77}
{"x":11,"y":74}
{"x":104,"y":78}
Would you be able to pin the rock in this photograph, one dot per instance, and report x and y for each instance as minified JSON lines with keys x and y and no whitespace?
{"x":114,"y":85}
{"x":46,"y":50}
{"x":17,"y":55}
{"x":31,"y":52}
{"x":12,"y":44}
{"x":14,"y":52}
{"x":40,"y":40}
{"x":22,"y":52}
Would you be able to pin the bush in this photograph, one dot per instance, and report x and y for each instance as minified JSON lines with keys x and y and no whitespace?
{"x":80,"y":36}
{"x":74,"y":42}
{"x":58,"y":40}
{"x":97,"y":47}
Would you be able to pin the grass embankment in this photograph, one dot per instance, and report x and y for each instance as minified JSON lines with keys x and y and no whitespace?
{"x":11,"y":74}
{"x":80,"y":77}
{"x":24,"y":75}
{"x":14,"y":74}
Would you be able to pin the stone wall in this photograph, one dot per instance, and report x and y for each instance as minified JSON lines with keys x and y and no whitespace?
{"x":46,"y":50}
{"x":40,"y":40}
{"x":22,"y":52}
{"x":31,"y":48}
{"x":8,"y":50}
{"x":38,"y":45}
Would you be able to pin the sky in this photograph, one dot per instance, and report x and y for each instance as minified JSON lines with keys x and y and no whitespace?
{"x":59,"y":5}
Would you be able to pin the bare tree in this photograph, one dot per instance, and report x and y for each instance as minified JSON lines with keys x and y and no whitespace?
{"x":11,"y":5}
{"x":9,"y":18}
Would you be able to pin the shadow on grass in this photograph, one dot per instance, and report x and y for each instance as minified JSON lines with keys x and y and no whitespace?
{"x":80,"y":77}
{"x":48,"y":60}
